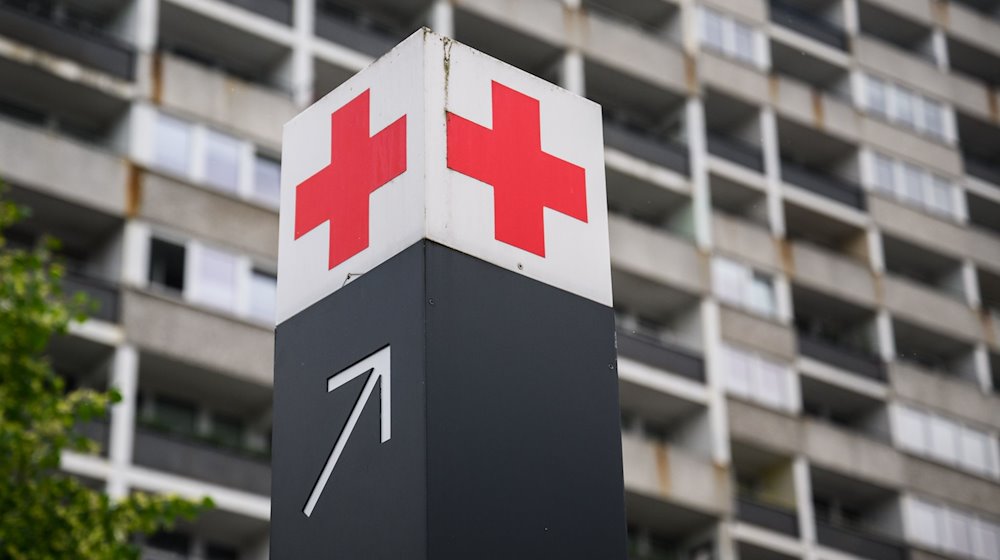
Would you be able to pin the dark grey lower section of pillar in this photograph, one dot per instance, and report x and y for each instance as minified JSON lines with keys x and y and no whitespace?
{"x":505,"y":439}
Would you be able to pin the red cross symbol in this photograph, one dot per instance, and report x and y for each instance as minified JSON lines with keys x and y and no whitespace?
{"x":525,"y":179}
{"x":359,"y":165}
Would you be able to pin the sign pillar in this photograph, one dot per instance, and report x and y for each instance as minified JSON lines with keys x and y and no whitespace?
{"x":445,"y":378}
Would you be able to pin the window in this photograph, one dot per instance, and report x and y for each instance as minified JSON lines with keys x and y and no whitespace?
{"x":172,"y":144}
{"x":885,"y":179}
{"x":755,"y":378}
{"x":267,"y":179}
{"x":222,"y":161}
{"x":923,"y":523}
{"x":215,"y":281}
{"x":227,"y":431}
{"x":944,"y":440}
{"x":743,"y":287}
{"x":877,"y":97}
{"x":166,"y":264}
{"x":913,"y":185}
{"x":263,"y":292}
{"x":724,"y":34}
{"x":906,"y":107}
{"x":175,"y":415}
{"x":711,"y":29}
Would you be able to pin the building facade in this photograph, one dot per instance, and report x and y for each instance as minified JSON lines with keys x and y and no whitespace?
{"x":805,"y":231}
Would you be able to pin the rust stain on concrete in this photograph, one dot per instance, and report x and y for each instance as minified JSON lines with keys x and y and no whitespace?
{"x":787,"y":256}
{"x":157,"y":94}
{"x":939,"y":10}
{"x":819,"y":117}
{"x":691,"y":73}
{"x":133,"y":189}
{"x":991,"y":102}
{"x":662,"y":468}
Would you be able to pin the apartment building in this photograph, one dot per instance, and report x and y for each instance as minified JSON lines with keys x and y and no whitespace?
{"x":805,"y":230}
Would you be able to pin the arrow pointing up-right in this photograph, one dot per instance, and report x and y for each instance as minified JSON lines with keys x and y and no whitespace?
{"x":378,"y":365}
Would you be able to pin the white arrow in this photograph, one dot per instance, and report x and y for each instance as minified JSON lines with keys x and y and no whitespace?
{"x":378,"y":364}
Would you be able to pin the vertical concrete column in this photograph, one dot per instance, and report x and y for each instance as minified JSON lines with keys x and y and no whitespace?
{"x":145,"y":24}
{"x":442,"y":18}
{"x":876,"y":256}
{"x":125,"y":379}
{"x":981,"y":362}
{"x":970,"y":284}
{"x":886,"y":338}
{"x":939,"y":46}
{"x":803,"y":504}
{"x":303,"y":73}
{"x":715,"y":379}
{"x":772,"y":170}
{"x":700,"y":192}
{"x":135,"y":254}
{"x":852,"y":23}
{"x":571,"y":72}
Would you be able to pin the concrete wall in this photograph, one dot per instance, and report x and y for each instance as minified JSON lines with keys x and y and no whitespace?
{"x":644,"y":251}
{"x":57,"y":166}
{"x":670,"y":474}
{"x":226,"y":101}
{"x":758,"y":334}
{"x":960,"y":399}
{"x":927,"y":307}
{"x":174,"y":329}
{"x":746,"y":240}
{"x":829,"y":272}
{"x":209,"y":215}
{"x":619,"y":46}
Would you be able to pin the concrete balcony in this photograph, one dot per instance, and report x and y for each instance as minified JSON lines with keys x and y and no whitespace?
{"x":748,"y":240}
{"x":821,"y":183}
{"x":209,"y":215}
{"x":103,"y":294}
{"x":930,"y":308}
{"x":841,"y":357}
{"x":808,"y":24}
{"x":756,"y":333}
{"x":222,"y":99}
{"x":202,"y":461}
{"x":85,"y":175}
{"x":774,"y":518}
{"x":846,"y":278}
{"x":278,"y":10}
{"x":972,"y":27}
{"x":939,"y":392}
{"x":611,"y":43}
{"x":860,"y":544}
{"x":737,"y":79}
{"x":662,"y":355}
{"x":821,"y":109}
{"x":655,"y":255}
{"x":971,"y":95}
{"x":982,"y":169}
{"x":672,"y":155}
{"x":61,"y":38}
{"x":673,"y":475}
{"x":913,"y":225}
{"x":168,"y":326}
{"x":898,"y":139}
{"x":353,"y":34}
{"x":541,"y":19}
{"x":737,"y":151}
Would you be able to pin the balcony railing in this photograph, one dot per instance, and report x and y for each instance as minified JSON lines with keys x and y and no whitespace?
{"x":278,"y":10}
{"x":842,"y":357}
{"x":984,"y":170}
{"x":767,"y":516}
{"x":736,"y":151}
{"x":188,"y":457}
{"x":808,"y":24}
{"x":822,"y":184}
{"x":63,"y":39}
{"x":665,"y":153}
{"x":96,"y":430}
{"x":660,"y":354}
{"x":343,"y":28}
{"x":859,"y":544}
{"x":102,"y":293}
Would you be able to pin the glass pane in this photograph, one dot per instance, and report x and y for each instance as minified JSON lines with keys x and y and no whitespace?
{"x":958,"y":536}
{"x":216,"y":280}
{"x":941,"y":195}
{"x":166,"y":264}
{"x":933,"y":118}
{"x":923,"y":523}
{"x":227,"y":431}
{"x":729,"y":280}
{"x":222,"y":161}
{"x":743,"y":41}
{"x":911,"y":432}
{"x":760,"y":298}
{"x":770,"y":387}
{"x":913,"y":183}
{"x":267,"y":179}
{"x":884,"y":175}
{"x":876,"y":96}
{"x":985,"y":540}
{"x":172,"y":144}
{"x":905,"y":107}
{"x":263,"y":291}
{"x":711,"y":28}
{"x":175,"y":416}
{"x":944,"y":439}
{"x":974,"y":450}
{"x":737,"y":366}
